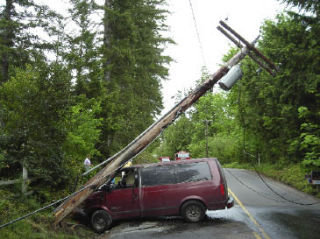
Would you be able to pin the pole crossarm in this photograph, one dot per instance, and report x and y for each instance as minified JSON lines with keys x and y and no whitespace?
{"x":252,"y":56}
{"x":270,"y":66}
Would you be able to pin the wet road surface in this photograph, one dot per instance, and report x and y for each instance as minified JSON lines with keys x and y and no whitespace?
{"x":258,"y":213}
{"x":276,"y":207}
{"x":176,"y":228}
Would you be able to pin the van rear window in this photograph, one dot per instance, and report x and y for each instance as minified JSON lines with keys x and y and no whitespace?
{"x":193,"y":172}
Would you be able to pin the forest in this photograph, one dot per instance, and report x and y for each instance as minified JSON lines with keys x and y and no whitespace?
{"x":90,"y":90}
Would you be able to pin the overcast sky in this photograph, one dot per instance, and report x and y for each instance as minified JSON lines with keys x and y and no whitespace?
{"x":245,"y":16}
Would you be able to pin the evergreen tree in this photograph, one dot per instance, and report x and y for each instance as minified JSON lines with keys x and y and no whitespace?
{"x":20,"y":20}
{"x":134,"y":63}
{"x":308,"y":5}
{"x":83,"y":49}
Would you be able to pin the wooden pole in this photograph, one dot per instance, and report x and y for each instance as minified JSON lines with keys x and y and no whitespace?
{"x":24,"y":178}
{"x":145,"y":139}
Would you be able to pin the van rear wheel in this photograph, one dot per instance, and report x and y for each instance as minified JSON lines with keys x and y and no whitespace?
{"x":100,"y":221}
{"x":193,"y":211}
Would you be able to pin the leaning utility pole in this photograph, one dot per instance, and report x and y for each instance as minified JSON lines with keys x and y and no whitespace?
{"x":147,"y":137}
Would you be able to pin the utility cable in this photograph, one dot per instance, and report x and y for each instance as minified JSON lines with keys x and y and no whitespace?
{"x":252,"y":189}
{"x":198,"y":34}
{"x":260,"y":176}
{"x":48,"y":206}
{"x":41,"y":209}
{"x":278,"y":194}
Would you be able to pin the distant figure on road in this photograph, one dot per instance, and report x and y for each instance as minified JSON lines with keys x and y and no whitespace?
{"x":87,"y":163}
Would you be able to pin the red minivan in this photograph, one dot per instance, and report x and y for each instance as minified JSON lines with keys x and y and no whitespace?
{"x":187,"y":188}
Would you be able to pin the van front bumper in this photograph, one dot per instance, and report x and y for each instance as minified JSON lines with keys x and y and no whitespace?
{"x":230,"y":202}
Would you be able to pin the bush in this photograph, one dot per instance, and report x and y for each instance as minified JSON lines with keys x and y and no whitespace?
{"x":34,"y":227}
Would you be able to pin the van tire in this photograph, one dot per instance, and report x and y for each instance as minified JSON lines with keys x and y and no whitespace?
{"x":100,"y":221}
{"x":193,"y":211}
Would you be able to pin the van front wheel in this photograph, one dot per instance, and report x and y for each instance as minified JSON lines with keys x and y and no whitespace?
{"x":100,"y":221}
{"x":193,"y":211}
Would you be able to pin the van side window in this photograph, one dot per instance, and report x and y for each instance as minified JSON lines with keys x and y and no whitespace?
{"x":165,"y":175}
{"x":193,"y":172}
{"x":158,"y":175}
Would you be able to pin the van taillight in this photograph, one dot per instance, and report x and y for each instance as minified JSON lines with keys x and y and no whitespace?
{"x":222,"y":189}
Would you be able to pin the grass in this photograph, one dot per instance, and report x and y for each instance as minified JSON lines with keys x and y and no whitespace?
{"x":293,"y":175}
{"x":38,"y":226}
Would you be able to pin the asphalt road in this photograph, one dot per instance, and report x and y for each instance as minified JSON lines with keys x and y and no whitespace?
{"x":258,"y":213}
{"x":273,"y":209}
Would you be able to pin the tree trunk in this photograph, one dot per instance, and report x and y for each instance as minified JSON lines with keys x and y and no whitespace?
{"x":106,"y":40}
{"x":7,"y":39}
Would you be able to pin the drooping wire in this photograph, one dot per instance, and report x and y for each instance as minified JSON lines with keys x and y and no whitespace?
{"x":198,"y":34}
{"x":43,"y":208}
{"x":252,"y":163}
{"x":252,"y":189}
{"x":278,"y":194}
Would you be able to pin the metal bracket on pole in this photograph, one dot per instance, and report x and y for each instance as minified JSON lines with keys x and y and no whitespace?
{"x":254,"y":53}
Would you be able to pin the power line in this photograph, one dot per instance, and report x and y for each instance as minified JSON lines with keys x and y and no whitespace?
{"x":252,"y":189}
{"x":271,"y":189}
{"x":198,"y":35}
{"x":252,"y":163}
{"x":46,"y":207}
{"x":72,"y":194}
{"x":279,"y":195}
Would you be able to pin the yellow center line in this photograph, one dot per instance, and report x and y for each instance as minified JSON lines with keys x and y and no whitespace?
{"x":257,"y":236}
{"x":265,"y":235}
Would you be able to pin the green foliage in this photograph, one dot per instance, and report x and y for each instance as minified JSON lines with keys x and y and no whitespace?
{"x":308,"y":5}
{"x":37,"y":226}
{"x":310,"y":137}
{"x":190,"y":133}
{"x":35,"y":103}
{"x":146,"y":157}
{"x":176,"y":138}
{"x":237,"y":165}
{"x":268,"y":107}
{"x":83,"y":134}
{"x":223,"y":131}
{"x":293,"y":175}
